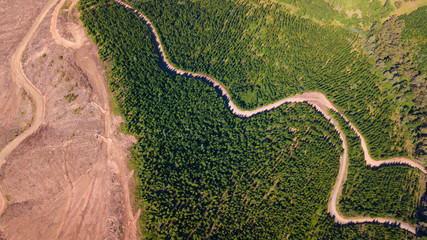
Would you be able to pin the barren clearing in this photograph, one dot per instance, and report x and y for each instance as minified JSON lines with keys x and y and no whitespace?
{"x":66,"y":176}
{"x":16,"y":109}
{"x":318,"y":101}
{"x":21,"y":80}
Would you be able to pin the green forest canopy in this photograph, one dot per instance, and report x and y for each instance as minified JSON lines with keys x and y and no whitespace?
{"x":253,"y":50}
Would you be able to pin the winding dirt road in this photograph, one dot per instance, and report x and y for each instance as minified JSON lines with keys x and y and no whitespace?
{"x":319,"y":102}
{"x":19,"y":77}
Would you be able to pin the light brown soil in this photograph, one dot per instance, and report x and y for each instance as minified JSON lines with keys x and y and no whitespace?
{"x":77,"y":32}
{"x":68,"y":180}
{"x":15,"y":107}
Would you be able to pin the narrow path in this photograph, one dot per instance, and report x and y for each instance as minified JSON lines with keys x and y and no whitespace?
{"x":19,"y":77}
{"x":319,"y":102}
{"x":54,"y":30}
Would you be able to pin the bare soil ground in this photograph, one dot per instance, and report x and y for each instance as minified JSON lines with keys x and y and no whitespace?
{"x":69,"y":180}
{"x":16,"y":18}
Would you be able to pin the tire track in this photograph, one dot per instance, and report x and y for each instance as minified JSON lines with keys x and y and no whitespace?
{"x":70,"y":187}
{"x":130,"y":228}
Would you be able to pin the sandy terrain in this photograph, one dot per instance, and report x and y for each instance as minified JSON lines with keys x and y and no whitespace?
{"x":66,"y":176}
{"x":318,"y":101}
{"x":15,"y":110}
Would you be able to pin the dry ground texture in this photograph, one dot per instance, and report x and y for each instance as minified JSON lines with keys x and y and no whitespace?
{"x":15,"y":110}
{"x":69,"y":179}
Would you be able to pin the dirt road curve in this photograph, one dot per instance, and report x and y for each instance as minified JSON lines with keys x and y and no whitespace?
{"x":318,"y":101}
{"x":21,"y":80}
{"x":77,"y":33}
